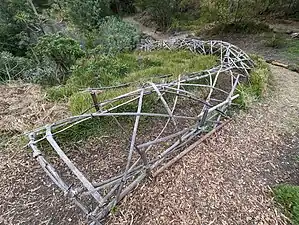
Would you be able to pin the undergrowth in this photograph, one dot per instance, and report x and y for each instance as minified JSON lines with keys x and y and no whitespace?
{"x":257,"y":84}
{"x":288,"y":197}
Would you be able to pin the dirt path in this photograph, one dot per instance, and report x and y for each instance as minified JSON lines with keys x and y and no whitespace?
{"x":226,"y":180}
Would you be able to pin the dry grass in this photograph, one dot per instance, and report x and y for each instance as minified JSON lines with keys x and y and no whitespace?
{"x":22,"y":107}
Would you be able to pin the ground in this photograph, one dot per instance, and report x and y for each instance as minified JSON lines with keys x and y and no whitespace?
{"x":226,"y":180}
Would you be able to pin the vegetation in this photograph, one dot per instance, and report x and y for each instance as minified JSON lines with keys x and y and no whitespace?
{"x":257,"y":85}
{"x":112,"y":37}
{"x":132,"y":68}
{"x":288,"y":197}
{"x":12,"y":67}
{"x":275,"y":41}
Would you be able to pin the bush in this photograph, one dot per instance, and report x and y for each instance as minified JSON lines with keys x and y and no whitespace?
{"x":162,"y":11}
{"x":64,"y":51}
{"x":45,"y":73}
{"x":247,"y":27}
{"x":275,"y":41}
{"x":13,"y":67}
{"x":88,"y":14}
{"x":114,"y":36}
{"x":19,"y":26}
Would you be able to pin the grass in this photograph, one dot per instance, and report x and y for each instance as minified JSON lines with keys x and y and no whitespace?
{"x":288,"y":197}
{"x":293,"y":50}
{"x":274,"y":40}
{"x":136,"y":68}
{"x":257,"y":85}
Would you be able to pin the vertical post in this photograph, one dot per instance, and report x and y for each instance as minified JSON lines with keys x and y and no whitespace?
{"x":95,"y":100}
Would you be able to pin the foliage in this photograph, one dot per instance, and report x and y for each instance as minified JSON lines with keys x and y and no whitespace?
{"x":88,"y":14}
{"x":162,"y":11}
{"x":20,"y":24}
{"x":247,"y":27}
{"x":15,"y":67}
{"x":64,"y":51}
{"x":257,"y":84}
{"x":45,"y":73}
{"x":228,"y":11}
{"x":16,"y":19}
{"x":293,"y":49}
{"x":12,"y":67}
{"x":114,"y":36}
{"x":288,"y":197}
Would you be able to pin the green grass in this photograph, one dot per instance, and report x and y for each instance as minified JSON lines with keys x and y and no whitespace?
{"x":293,"y":50}
{"x":257,"y":85}
{"x":136,"y":68}
{"x":288,"y":197}
{"x":274,"y":40}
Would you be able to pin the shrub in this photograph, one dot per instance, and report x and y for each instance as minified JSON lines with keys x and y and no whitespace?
{"x":244,"y":27}
{"x":162,"y":11}
{"x":12,"y":67}
{"x":45,"y":73}
{"x":114,"y":36}
{"x":64,"y":51}
{"x":88,"y":14}
{"x":19,"y":26}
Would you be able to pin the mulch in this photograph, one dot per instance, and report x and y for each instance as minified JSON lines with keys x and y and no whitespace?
{"x":226,"y":180}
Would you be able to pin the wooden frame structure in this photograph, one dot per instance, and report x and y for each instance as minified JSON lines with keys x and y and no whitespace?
{"x":234,"y":66}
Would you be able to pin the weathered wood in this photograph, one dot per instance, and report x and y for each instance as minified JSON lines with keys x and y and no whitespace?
{"x":72,"y":167}
{"x":95,"y":100}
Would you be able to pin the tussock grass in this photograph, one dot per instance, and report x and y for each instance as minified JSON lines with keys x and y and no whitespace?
{"x":274,"y":40}
{"x":257,"y":84}
{"x":135,"y":68}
